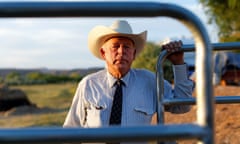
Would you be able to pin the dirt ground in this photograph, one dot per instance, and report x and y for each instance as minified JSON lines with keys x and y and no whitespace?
{"x":227,"y":118}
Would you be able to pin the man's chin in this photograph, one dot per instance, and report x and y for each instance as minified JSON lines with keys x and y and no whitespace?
{"x":121,"y":66}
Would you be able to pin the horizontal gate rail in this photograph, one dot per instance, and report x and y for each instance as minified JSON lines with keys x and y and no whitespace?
{"x":110,"y":134}
{"x":203,"y":130}
{"x":215,"y":46}
{"x":192,"y":101}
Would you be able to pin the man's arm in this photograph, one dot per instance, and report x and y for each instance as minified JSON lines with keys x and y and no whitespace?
{"x":183,"y":86}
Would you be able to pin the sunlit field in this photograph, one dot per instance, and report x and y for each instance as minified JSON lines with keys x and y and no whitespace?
{"x":52,"y":103}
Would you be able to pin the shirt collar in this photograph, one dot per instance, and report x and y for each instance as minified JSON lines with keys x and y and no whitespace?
{"x":112,"y":80}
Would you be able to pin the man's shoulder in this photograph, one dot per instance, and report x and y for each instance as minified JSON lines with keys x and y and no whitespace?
{"x":143,"y":73}
{"x":143,"y":77}
{"x":96,"y":75}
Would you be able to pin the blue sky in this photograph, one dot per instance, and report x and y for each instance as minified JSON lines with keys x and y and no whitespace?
{"x":61,"y":43}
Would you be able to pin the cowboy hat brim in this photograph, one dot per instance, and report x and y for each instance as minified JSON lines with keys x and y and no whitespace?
{"x":98,"y":36}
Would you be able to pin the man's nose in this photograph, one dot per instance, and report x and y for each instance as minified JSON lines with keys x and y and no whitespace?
{"x":121,"y":49}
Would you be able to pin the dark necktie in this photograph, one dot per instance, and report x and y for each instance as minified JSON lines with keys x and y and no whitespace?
{"x":116,"y":113}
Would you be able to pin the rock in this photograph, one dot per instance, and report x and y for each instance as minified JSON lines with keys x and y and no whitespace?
{"x":23,"y":110}
{"x":10,"y":98}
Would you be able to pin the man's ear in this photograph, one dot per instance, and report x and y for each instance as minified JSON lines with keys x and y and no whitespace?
{"x":102,"y":52}
{"x":134,"y":54}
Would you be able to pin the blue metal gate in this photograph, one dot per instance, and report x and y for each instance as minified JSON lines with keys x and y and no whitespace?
{"x":203,"y":130}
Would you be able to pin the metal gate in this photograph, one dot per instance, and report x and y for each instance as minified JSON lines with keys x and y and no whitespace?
{"x":189,"y":101}
{"x":203,"y":130}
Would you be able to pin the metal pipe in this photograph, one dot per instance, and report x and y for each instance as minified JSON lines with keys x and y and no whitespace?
{"x":97,"y":135}
{"x":215,"y":46}
{"x":192,"y":101}
{"x":205,"y":104}
{"x":160,"y":86}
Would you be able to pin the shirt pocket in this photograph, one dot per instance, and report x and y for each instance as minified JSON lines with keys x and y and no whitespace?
{"x":143,"y":115}
{"x":95,"y":115}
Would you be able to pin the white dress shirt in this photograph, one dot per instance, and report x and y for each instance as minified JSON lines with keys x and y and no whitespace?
{"x":91,"y":105}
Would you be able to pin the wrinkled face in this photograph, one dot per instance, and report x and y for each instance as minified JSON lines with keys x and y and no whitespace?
{"x":119,"y":53}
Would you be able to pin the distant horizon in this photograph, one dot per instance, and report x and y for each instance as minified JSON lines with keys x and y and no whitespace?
{"x":96,"y":67}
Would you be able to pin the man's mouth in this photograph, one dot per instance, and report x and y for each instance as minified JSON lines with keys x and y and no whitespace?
{"x":120,"y":61}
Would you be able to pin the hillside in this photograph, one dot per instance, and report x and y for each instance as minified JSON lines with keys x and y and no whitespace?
{"x":22,"y":71}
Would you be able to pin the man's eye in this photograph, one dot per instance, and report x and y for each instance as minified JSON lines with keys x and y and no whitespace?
{"x":115,"y":46}
{"x":126,"y":47}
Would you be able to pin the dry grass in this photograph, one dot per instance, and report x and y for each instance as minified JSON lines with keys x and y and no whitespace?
{"x":52,"y":101}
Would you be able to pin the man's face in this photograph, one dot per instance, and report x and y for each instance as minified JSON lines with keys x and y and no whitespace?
{"x":119,"y":53}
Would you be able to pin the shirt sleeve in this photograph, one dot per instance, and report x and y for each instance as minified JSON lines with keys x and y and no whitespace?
{"x":76,"y":114}
{"x":183,"y":88}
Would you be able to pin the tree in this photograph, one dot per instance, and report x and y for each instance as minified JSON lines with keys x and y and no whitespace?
{"x":1,"y":80}
{"x":148,"y":59}
{"x":13,"y":78}
{"x":35,"y":78}
{"x":75,"y":76}
{"x":225,"y":14}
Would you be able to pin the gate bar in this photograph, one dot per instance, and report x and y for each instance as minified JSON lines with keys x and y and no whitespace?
{"x":215,"y":46}
{"x":192,"y":101}
{"x":205,"y":114}
{"x":109,"y":134}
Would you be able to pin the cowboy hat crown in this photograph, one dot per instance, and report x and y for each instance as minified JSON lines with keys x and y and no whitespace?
{"x":99,"y":34}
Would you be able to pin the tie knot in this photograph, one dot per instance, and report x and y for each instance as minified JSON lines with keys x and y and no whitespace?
{"x":119,"y":82}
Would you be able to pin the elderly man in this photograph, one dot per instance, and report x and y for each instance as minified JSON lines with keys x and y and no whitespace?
{"x":96,"y":103}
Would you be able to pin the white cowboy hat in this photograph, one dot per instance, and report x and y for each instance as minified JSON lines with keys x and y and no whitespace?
{"x":99,"y":34}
